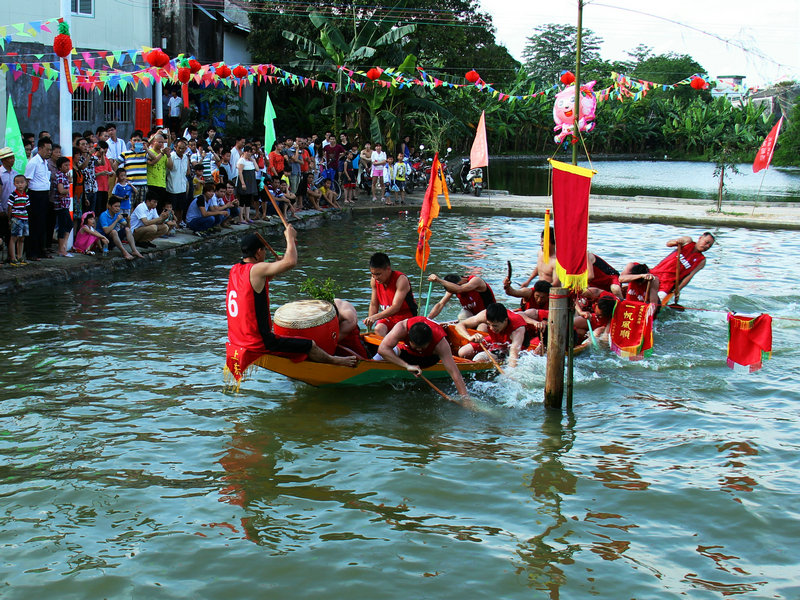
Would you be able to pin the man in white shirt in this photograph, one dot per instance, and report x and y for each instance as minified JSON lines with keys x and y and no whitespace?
{"x":236,"y":154}
{"x":174,"y":105}
{"x":38,"y":175}
{"x":147,"y":224}
{"x":7,"y":174}
{"x":177,"y":183}
{"x":116,"y":146}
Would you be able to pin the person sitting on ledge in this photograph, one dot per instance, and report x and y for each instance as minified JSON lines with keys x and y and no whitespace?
{"x":113,"y":224}
{"x":147,"y":224}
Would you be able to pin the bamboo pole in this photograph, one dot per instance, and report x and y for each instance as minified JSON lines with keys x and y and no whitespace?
{"x":491,"y":358}
{"x":557,"y":333}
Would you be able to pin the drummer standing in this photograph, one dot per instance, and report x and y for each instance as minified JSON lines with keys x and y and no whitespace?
{"x":392,"y":299}
{"x":247,"y":302}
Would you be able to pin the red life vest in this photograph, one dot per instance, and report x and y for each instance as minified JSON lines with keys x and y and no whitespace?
{"x":665,"y":270}
{"x":385,"y":295}
{"x":502,"y":339}
{"x":248,"y":320}
{"x":436,"y":329}
{"x":476,"y":301}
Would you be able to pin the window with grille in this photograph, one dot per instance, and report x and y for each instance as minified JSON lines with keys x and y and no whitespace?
{"x":83,"y":8}
{"x":81,"y":105}
{"x":117,"y":105}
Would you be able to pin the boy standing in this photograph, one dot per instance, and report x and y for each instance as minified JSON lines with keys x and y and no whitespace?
{"x":18,"y":203}
{"x":124,"y":191}
{"x":63,"y":204}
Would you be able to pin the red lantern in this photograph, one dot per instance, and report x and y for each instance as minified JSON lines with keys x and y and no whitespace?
{"x":157,"y":58}
{"x":184,"y":75}
{"x":374,"y":73}
{"x":698,"y":83}
{"x":240,"y":71}
{"x":567,"y":77}
{"x":62,"y":46}
{"x":223,"y":71}
{"x":472,"y":76}
{"x":194,"y":66}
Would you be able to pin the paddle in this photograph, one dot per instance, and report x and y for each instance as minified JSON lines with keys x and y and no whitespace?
{"x":267,"y":246}
{"x":508,"y":262}
{"x":428,"y":299}
{"x":277,"y":210}
{"x":491,"y":357}
{"x":440,"y":392}
{"x":595,"y":343}
{"x":677,"y":292}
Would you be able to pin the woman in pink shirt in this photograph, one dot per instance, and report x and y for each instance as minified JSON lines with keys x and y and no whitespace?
{"x":101,"y":172}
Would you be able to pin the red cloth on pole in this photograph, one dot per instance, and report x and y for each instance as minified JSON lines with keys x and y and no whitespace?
{"x":571,"y":185}
{"x":144,"y":112}
{"x":749,"y":340}
{"x":631,"y":329}
{"x":764,"y":154}
{"x":429,"y":211}
{"x":479,"y":154}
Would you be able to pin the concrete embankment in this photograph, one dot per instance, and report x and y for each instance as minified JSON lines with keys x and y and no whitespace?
{"x":640,"y":209}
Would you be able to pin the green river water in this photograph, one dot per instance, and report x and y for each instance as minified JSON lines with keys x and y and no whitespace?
{"x":127,"y":472}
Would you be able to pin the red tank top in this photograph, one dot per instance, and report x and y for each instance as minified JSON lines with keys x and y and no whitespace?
{"x":248,"y":312}
{"x":636,"y":290}
{"x":503,"y":338}
{"x":476,"y":301}
{"x":436,"y":329}
{"x":665,"y":270}
{"x":604,"y":275}
{"x":385,"y":295}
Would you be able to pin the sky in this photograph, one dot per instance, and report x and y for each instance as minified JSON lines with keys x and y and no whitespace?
{"x":770,"y":29}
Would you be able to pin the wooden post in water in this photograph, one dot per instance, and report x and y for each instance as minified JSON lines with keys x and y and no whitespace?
{"x":557,"y":334}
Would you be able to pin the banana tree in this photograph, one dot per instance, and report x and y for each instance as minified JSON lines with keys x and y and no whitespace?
{"x":334,"y":49}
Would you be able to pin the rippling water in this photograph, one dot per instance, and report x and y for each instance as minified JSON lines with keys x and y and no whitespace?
{"x":127,"y":472}
{"x":678,"y":179}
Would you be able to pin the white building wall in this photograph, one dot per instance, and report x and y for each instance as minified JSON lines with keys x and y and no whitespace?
{"x":235,"y":52}
{"x":115,"y":25}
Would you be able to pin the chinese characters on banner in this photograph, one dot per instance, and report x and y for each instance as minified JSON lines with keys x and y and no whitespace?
{"x":631,"y":329}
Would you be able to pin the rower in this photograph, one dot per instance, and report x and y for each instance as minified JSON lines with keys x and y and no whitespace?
{"x":349,"y":333}
{"x":418,"y":343}
{"x":507,"y":334}
{"x":537,"y":297}
{"x":638,"y":277}
{"x":472,"y":291}
{"x":691,"y":261}
{"x":545,"y":271}
{"x":602,"y":311}
{"x":392,"y":300}
{"x":602,"y":275}
{"x":249,"y":323}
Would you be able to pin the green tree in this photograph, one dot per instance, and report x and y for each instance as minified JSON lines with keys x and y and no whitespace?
{"x":787,"y":152}
{"x":552,"y":48}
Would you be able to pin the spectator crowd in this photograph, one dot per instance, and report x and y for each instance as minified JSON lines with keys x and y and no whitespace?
{"x":125,"y":194}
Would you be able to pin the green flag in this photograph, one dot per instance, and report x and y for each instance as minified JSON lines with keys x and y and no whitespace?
{"x":269,"y":125}
{"x":14,"y":139}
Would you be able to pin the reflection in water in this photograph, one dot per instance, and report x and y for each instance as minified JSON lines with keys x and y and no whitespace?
{"x":616,"y":469}
{"x":543,"y":554}
{"x":738,"y":480}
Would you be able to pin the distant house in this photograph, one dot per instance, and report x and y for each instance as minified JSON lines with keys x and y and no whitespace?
{"x":777,"y":98}
{"x":211,"y":30}
{"x":731,"y":87}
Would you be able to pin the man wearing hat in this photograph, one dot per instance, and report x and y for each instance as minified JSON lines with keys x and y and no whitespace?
{"x":247,"y":302}
{"x":7,"y":174}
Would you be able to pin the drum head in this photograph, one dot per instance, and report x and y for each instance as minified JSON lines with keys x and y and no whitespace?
{"x":304,"y":314}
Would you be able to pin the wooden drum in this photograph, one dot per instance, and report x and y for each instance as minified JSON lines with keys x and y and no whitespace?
{"x":312,"y":319}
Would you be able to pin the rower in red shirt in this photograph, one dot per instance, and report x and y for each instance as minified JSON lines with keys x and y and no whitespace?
{"x":639,"y":279}
{"x":507,"y":334}
{"x":472,"y":292}
{"x":418,"y":343}
{"x":392,"y":300}
{"x":602,"y":275}
{"x":691,"y":258}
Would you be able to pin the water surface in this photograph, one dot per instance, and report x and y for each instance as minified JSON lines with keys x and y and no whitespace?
{"x":127,"y":472}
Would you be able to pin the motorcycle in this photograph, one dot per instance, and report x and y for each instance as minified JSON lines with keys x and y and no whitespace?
{"x":471,"y":180}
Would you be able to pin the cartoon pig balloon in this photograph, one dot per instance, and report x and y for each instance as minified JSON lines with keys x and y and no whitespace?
{"x":564,"y":111}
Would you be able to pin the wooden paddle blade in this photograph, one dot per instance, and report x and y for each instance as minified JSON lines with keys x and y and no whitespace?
{"x":509,"y":268}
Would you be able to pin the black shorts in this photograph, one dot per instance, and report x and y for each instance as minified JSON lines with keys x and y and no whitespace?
{"x":421,"y":361}
{"x":63,"y":222}
{"x":287,"y":345}
{"x":179,"y":201}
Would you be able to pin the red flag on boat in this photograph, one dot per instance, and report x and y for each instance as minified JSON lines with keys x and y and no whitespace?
{"x":479,"y":154}
{"x":630,"y":332}
{"x":430,"y":210}
{"x":764,"y":154}
{"x":571,"y":185}
{"x":749,"y":340}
